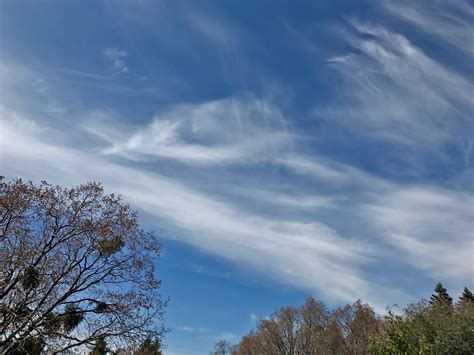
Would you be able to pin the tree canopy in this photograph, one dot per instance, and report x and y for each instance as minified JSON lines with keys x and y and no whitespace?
{"x":436,"y":327}
{"x":76,"y":269}
{"x":312,"y":329}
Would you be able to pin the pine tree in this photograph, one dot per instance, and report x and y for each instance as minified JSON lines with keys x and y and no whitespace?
{"x":440,"y":296}
{"x":100,"y":347}
{"x":150,"y":347}
{"x":466,"y":296}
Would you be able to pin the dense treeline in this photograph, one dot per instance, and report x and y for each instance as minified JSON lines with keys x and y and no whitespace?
{"x":438,"y":326}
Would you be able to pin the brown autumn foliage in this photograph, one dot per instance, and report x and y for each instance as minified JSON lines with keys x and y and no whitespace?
{"x":313,"y":329}
{"x":435,"y":327}
{"x":75,"y":267}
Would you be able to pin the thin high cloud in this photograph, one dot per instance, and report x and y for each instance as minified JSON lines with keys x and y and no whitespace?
{"x":396,"y":93}
{"x":431,"y":227}
{"x":206,"y":222}
{"x":224,"y":131}
{"x":452,"y":21}
{"x":211,"y":28}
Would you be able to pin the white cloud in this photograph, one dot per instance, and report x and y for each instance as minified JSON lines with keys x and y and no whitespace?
{"x":211,"y":28}
{"x":187,"y":328}
{"x":82,"y":74}
{"x":217,"y":132}
{"x":299,"y":201}
{"x":200,"y":269}
{"x":253,"y":317}
{"x":117,"y":58}
{"x":432,"y":228}
{"x":202,"y":220}
{"x":330,"y":172}
{"x":436,"y":18}
{"x":396,"y":93}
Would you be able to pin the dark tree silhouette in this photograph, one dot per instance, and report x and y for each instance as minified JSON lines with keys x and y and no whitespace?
{"x":466,"y":297}
{"x":440,"y":296}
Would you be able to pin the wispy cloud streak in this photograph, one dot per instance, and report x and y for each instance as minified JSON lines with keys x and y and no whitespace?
{"x":396,"y":93}
{"x":452,"y":21}
{"x":202,"y":220}
{"x":218,"y":132}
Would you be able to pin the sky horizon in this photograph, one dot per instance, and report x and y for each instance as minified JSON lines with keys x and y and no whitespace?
{"x":279,"y":149}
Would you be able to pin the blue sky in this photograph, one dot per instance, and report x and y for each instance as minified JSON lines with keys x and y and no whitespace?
{"x":280,"y":149}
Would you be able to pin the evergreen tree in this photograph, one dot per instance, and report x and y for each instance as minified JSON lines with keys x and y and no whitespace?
{"x":440,"y":296}
{"x":100,"y":347}
{"x":150,"y":347}
{"x":466,"y":296}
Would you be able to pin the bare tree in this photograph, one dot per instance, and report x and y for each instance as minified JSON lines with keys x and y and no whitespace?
{"x":311,"y":329}
{"x":315,"y":320}
{"x":281,"y":333}
{"x":358,"y":323}
{"x":251,"y":344}
{"x":75,"y":267}
{"x":222,"y":347}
